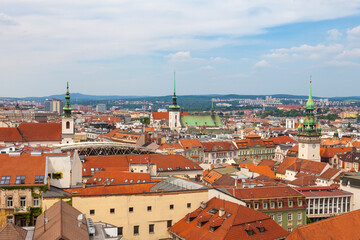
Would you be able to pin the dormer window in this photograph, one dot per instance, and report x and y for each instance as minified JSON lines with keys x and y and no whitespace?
{"x":20,"y":180}
{"x":5,"y":180}
{"x":39,"y":179}
{"x":291,"y":203}
{"x":280,"y":204}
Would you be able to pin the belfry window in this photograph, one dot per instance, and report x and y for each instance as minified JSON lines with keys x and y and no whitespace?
{"x":67,"y":125}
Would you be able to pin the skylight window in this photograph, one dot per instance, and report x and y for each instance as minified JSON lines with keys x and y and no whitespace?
{"x":20,"y":180}
{"x":5,"y":180}
{"x":169,"y":168}
{"x":112,"y":180}
{"x":126,"y":180}
{"x":99,"y":179}
{"x":160,"y":169}
{"x":39,"y":179}
{"x":131,"y":180}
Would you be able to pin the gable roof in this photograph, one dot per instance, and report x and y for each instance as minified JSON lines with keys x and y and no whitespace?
{"x":285,"y":164}
{"x":282,"y":140}
{"x":262,"y":170}
{"x":115,"y":177}
{"x":200,"y":121}
{"x":342,"y":227}
{"x":12,"y":232}
{"x":29,"y":132}
{"x":233,"y":224}
{"x":101,"y":190}
{"x":265,"y":192}
{"x":219,"y":146}
{"x":190,"y":143}
{"x":23,"y":165}
{"x":164,"y":163}
{"x":62,"y":223}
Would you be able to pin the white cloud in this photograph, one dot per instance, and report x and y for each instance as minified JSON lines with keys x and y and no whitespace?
{"x":219,"y":59}
{"x":262,"y":63}
{"x":354,"y":35}
{"x":179,"y":56}
{"x":334,"y":34}
{"x":208,"y":67}
{"x":342,"y":63}
{"x":350,"y":53}
{"x":6,"y":20}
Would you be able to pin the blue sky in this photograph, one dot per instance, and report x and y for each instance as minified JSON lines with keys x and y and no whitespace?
{"x":225,"y":47}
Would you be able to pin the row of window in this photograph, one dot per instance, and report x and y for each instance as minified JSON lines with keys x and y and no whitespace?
{"x":5,"y":180}
{"x":151,"y":228}
{"x":131,"y":209}
{"x":256,"y":152}
{"x":290,"y":217}
{"x":10,"y":201}
{"x":272,"y":204}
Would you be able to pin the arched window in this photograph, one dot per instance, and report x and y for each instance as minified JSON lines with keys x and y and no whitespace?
{"x":67,"y":125}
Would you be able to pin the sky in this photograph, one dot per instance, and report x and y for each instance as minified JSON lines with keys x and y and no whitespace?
{"x":132,"y":47}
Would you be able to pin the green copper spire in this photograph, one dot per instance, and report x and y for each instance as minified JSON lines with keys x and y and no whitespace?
{"x":310,"y":102}
{"x":174,"y":106}
{"x":309,"y":125}
{"x":67,"y":107}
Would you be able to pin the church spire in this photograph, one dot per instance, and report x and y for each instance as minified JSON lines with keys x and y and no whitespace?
{"x":67,"y":107}
{"x":174,"y":106}
{"x":310,"y":102}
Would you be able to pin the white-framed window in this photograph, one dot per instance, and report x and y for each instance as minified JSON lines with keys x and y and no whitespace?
{"x":291,"y":203}
{"x":36,"y":201}
{"x":22,"y":201}
{"x":299,"y":216}
{"x":280,"y":204}
{"x":256,"y":205}
{"x":300,"y":202}
{"x":265,"y":205}
{"x":290,"y":216}
{"x":9,"y":202}
{"x":289,"y":229}
{"x":279,"y":217}
{"x":10,"y":219}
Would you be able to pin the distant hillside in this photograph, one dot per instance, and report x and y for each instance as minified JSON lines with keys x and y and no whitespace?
{"x":79,"y":97}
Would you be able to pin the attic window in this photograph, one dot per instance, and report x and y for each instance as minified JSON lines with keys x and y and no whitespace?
{"x":187,"y":167}
{"x":5,"y":180}
{"x":131,"y":180}
{"x":92,"y":170}
{"x":126,"y":180}
{"x":177,"y":168}
{"x":213,"y":211}
{"x":95,"y":179}
{"x":112,"y":180}
{"x":169,"y":168}
{"x":160,"y":169}
{"x":20,"y":180}
{"x":138,"y":181}
{"x":227,"y":216}
{"x":39,"y":179}
{"x":99,"y":179}
{"x":143,"y":181}
{"x":84,"y":169}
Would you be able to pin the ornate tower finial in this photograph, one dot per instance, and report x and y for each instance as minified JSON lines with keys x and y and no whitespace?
{"x":67,"y":107}
{"x":174,"y":85}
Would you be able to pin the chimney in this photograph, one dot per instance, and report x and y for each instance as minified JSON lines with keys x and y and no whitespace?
{"x":48,"y":183}
{"x":221,"y":212}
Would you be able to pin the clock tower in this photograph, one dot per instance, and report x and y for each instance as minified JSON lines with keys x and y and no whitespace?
{"x":309,"y":133}
{"x":67,"y":120}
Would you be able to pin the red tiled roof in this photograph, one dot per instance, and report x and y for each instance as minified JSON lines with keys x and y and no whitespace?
{"x":116,"y":177}
{"x":282,"y":140}
{"x":163,"y":163}
{"x":304,"y":181}
{"x":190,"y":143}
{"x":330,"y":173}
{"x":212,"y":176}
{"x":321,"y":191}
{"x":218,"y":146}
{"x":285,"y":164}
{"x":23,"y":165}
{"x":112,"y":189}
{"x":343,"y":227}
{"x":170,"y":145}
{"x":230,"y":226}
{"x":267,"y":162}
{"x":27,"y":132}
{"x":331,"y":151}
{"x":264,"y":192}
{"x":262,"y":170}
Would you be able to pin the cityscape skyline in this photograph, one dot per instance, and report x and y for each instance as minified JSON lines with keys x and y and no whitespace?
{"x":230,"y":48}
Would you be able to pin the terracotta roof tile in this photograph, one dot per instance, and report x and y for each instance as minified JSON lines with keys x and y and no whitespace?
{"x":345,"y":226}
{"x":110,"y":177}
{"x":229,"y":226}
{"x":12,"y":232}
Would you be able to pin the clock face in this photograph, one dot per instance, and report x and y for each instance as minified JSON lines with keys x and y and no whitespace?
{"x":314,"y":146}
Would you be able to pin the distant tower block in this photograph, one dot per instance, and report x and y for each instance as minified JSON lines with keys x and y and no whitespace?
{"x":309,"y":133}
{"x":174,"y":113}
{"x":67,"y":120}
{"x":290,"y":123}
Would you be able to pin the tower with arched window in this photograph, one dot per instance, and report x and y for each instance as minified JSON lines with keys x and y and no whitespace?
{"x":67,"y":120}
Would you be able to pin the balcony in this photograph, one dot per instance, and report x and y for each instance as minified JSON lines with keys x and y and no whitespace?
{"x":21,"y":209}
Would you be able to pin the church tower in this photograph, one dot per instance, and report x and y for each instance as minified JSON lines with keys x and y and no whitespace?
{"x":67,"y":120}
{"x":309,"y":134}
{"x":174,"y":113}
